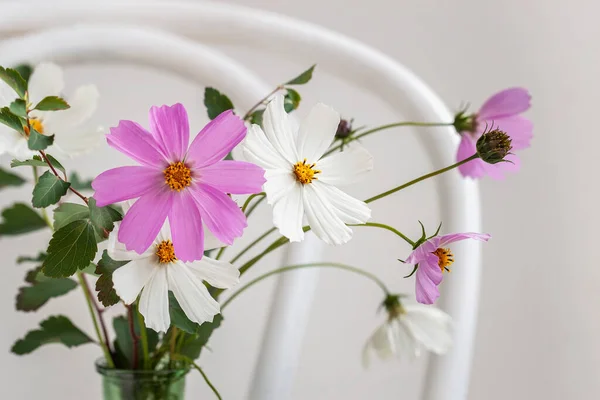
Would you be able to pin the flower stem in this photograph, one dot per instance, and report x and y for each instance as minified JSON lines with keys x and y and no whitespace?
{"x":143,"y":338}
{"x":253,"y":206}
{"x":91,"y":305}
{"x":47,"y":160}
{"x":208,"y":382}
{"x":384,"y":127}
{"x":262,"y":101}
{"x":344,"y":267}
{"x":261,"y":237}
{"x":389,"y":228}
{"x":134,"y":336}
{"x":422,"y":178}
{"x":172,"y":344}
{"x":249,"y":199}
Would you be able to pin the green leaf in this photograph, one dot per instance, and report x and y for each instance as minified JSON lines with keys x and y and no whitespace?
{"x":14,"y":80}
{"x":37,"y":161}
{"x":78,"y":184}
{"x":178,"y":317}
{"x":57,"y":329}
{"x":31,"y":298}
{"x":72,"y":247}
{"x":303,"y":77}
{"x":52,"y":103}
{"x":124,"y":343}
{"x":216,"y":102}
{"x":69,"y":212}
{"x":19,"y":219}
{"x":49,"y":190}
{"x":11,"y":120}
{"x":39,"y":258}
{"x":107,"y":294}
{"x":37,"y":141}
{"x":191,"y":348}
{"x":35,"y":275}
{"x":103,"y":218}
{"x":291,"y":100}
{"x":257,"y":117}
{"x":24,"y":70}
{"x":9,"y":179}
{"x":19,"y":108}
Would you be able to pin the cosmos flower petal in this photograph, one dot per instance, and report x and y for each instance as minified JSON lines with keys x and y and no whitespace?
{"x":455,"y":237}
{"x":124,"y":183}
{"x":505,"y":103}
{"x":317,"y":132}
{"x":117,"y":251}
{"x":429,"y":326}
{"x":519,"y":128}
{"x":171,"y":130}
{"x":216,"y":140}
{"x":280,"y":131}
{"x":259,"y":150}
{"x":466,"y":148}
{"x":217,"y":273}
{"x":137,"y":143}
{"x":84,"y":103}
{"x":428,"y":276}
{"x":346,"y":207}
{"x":235,"y":177}
{"x":154,"y":301}
{"x":288,"y":212}
{"x":346,"y":167}
{"x":132,"y":277}
{"x":46,"y":80}
{"x":322,"y":217}
{"x":279,"y":183}
{"x":186,"y":227}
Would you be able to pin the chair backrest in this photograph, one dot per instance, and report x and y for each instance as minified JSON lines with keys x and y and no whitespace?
{"x":160,"y":34}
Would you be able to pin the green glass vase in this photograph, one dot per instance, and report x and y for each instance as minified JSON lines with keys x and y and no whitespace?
{"x":118,"y":384}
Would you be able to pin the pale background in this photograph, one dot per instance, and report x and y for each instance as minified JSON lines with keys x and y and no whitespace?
{"x":538,"y":325}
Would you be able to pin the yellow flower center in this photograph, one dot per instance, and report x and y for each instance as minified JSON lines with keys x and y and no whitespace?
{"x":304,"y":172}
{"x":178,"y":176}
{"x":36,"y":124}
{"x":165,"y":252}
{"x":445,"y":258}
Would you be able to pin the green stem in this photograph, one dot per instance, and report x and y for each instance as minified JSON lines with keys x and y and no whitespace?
{"x":422,"y":178}
{"x":220,"y":253}
{"x":389,"y":228}
{"x":262,"y":101}
{"x":261,"y":237}
{"x":384,"y":127}
{"x":253,"y":206}
{"x":89,"y":300}
{"x":345,"y":267}
{"x":208,"y":382}
{"x":249,"y":199}
{"x":143,"y":338}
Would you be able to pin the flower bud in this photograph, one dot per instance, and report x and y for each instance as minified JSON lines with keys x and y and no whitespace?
{"x":393,"y":306}
{"x":344,"y":129}
{"x":465,"y":123}
{"x":494,"y":146}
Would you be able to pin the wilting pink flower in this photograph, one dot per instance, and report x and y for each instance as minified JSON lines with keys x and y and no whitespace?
{"x":433,"y":259}
{"x":501,"y":111}
{"x":187,"y":186}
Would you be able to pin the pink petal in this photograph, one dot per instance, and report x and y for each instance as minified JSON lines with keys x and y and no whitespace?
{"x":497,"y":171}
{"x":506,"y":103}
{"x":421,"y":253}
{"x":137,"y":143}
{"x":216,"y":140}
{"x":466,"y":148}
{"x":236,"y":177}
{"x":221,"y":215}
{"x":520,"y":130}
{"x":186,"y":227}
{"x":455,"y":237}
{"x":170,"y":128}
{"x":124,"y":183}
{"x":426,"y":289}
{"x":143,"y":221}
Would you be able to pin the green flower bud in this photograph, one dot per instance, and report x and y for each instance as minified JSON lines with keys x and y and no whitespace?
{"x":465,"y":123}
{"x":393,"y":306}
{"x":494,"y":146}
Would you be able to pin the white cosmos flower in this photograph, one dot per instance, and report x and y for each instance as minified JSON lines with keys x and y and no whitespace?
{"x":407,"y":331}
{"x":300,"y":181}
{"x":71,"y":139}
{"x":157,"y":271}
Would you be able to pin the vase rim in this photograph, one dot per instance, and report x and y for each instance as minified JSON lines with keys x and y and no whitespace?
{"x":103,"y":369}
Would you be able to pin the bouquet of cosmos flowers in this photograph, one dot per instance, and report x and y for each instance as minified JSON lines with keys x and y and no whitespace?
{"x":153,"y":236}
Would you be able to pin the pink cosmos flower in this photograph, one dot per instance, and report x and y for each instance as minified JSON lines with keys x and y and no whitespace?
{"x":433,"y":258}
{"x":187,"y":186}
{"x":502,"y":111}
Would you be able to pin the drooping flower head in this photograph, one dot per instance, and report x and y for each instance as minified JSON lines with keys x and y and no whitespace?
{"x":502,"y":111}
{"x":300,"y":180}
{"x":159,"y":270}
{"x":434,"y":258}
{"x":407,"y":330}
{"x":187,"y":186}
{"x":71,"y":139}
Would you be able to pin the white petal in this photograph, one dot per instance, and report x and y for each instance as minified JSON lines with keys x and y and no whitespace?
{"x":219,"y":274}
{"x":131,"y":278}
{"x":259,"y":150}
{"x":192,"y":295}
{"x":346,"y":207}
{"x":345,"y":167}
{"x":46,"y":80}
{"x":279,"y":131}
{"x":406,"y":344}
{"x":7,"y":95}
{"x":279,"y":183}
{"x":83,"y":105}
{"x":117,"y":251}
{"x":288,"y":213}
{"x":322,"y":216}
{"x":429,"y":326}
{"x":317,"y":131}
{"x":154,"y":302}
{"x":15,"y":144}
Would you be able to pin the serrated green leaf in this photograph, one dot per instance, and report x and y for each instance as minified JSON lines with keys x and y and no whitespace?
{"x":9,"y":179}
{"x":107,"y":294}
{"x":31,"y":298}
{"x":37,"y":141}
{"x":178,"y":317}
{"x":19,"y":219}
{"x":303,"y":78}
{"x":57,"y":329}
{"x":39,"y":258}
{"x":11,"y":120}
{"x":49,"y":190}
{"x":193,"y":346}
{"x":72,"y":247}
{"x":35,"y":275}
{"x":216,"y":102}
{"x":257,"y":117}
{"x":14,"y":80}
{"x":24,"y":70}
{"x":37,"y":161}
{"x":79,"y":184}
{"x":19,"y":108}
{"x":291,"y":100}
{"x":103,"y":218}
{"x":52,"y":103}
{"x":123,"y":342}
{"x":69,"y":212}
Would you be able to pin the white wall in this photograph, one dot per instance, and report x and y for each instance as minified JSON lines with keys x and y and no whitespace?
{"x":538,"y":328}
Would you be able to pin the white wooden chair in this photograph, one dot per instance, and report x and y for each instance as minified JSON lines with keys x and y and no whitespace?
{"x":159,"y":34}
